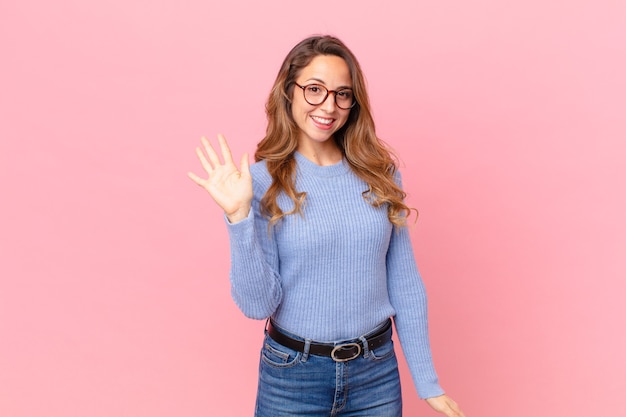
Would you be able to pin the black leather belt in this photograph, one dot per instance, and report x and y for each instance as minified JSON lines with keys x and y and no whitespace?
{"x":338,"y":352}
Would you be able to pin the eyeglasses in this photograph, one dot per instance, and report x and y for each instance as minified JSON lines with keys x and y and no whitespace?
{"x":316,"y":94}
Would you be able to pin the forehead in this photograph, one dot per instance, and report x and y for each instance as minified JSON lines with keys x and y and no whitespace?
{"x":329,"y":70}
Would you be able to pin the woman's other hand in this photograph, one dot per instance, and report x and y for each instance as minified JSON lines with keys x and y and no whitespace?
{"x":445,"y":405}
{"x":231,"y":188}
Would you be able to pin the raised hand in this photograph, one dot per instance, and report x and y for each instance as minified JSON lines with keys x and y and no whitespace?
{"x":231,"y":188}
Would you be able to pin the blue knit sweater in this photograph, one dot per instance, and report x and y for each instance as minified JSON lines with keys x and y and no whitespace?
{"x":336,"y":271}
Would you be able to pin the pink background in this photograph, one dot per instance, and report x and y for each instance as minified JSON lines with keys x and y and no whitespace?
{"x":509,"y":118}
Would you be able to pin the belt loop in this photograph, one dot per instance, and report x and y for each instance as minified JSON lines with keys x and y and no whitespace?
{"x":305,"y":351}
{"x":366,"y":349}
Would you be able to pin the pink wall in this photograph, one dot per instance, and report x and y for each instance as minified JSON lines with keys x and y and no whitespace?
{"x":509,"y":118}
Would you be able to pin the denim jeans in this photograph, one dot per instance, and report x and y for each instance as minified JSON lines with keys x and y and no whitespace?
{"x":293,"y":383}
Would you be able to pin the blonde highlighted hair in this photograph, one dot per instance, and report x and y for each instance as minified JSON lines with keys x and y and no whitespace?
{"x":366,"y":154}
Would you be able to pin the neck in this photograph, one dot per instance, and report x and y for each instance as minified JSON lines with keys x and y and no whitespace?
{"x":324,"y":153}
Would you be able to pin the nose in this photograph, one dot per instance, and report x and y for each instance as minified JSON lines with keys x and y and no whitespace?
{"x":329,"y":104}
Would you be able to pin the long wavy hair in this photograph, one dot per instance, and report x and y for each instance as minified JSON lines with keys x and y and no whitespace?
{"x":367,"y":155}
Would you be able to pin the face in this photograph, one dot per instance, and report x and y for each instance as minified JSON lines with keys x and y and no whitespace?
{"x":319,"y":123}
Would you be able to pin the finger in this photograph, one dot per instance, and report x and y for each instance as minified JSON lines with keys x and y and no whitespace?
{"x":226,"y":154}
{"x":205,"y":164}
{"x":215,"y":160}
{"x":456,"y":411}
{"x":245,"y":165}
{"x":195,"y":178}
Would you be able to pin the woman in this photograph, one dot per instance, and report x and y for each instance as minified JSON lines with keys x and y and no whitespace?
{"x":319,"y":246}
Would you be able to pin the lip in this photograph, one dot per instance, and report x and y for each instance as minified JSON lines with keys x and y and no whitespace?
{"x":320,"y":125}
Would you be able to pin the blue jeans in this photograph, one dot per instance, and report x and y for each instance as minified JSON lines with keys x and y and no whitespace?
{"x":293,"y":383}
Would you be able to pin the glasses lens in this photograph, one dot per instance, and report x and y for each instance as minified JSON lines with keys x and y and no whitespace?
{"x":344,"y":99}
{"x":315,"y":94}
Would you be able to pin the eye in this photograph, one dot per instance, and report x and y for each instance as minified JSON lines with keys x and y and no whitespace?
{"x":314,"y":89}
{"x":345,"y":94}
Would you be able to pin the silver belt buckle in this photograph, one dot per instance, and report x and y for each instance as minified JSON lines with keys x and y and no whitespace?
{"x":339,"y":348}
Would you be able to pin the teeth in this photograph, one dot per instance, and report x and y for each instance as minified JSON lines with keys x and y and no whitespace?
{"x":322,"y":120}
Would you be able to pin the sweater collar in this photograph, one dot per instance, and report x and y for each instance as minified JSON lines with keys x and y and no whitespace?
{"x":308,"y":167}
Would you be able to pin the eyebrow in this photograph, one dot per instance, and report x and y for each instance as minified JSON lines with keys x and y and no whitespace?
{"x":322,"y":82}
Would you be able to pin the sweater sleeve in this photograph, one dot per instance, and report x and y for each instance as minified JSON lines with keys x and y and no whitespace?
{"x":408,"y":298}
{"x":255,"y":282}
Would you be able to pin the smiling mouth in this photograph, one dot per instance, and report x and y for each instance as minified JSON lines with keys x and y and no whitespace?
{"x":322,"y":120}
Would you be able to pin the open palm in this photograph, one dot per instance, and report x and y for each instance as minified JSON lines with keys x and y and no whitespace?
{"x":230,"y":187}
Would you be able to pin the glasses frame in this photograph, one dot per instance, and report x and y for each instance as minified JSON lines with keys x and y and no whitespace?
{"x":303,"y":87}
